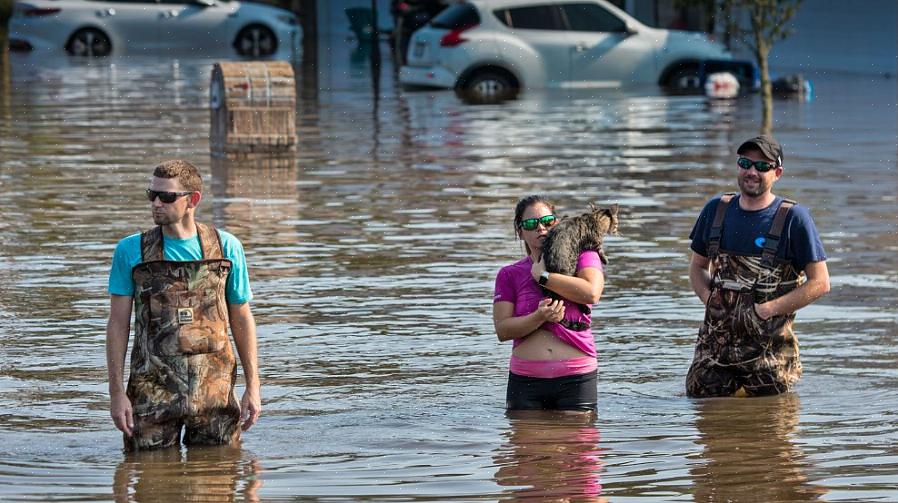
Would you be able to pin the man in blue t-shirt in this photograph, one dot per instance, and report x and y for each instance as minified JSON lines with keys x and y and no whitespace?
{"x":757,"y":259}
{"x":187,"y":283}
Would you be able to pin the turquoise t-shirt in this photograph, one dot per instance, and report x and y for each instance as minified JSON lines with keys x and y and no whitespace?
{"x":127,"y":255}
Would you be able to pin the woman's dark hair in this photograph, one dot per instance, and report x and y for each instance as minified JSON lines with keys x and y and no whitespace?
{"x":525,"y":203}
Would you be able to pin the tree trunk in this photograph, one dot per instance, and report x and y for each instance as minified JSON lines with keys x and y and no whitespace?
{"x":762,"y":51}
{"x":308,"y":18}
{"x":5,"y":72}
{"x":5,"y":14}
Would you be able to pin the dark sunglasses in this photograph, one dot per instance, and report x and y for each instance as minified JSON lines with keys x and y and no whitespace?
{"x":531,"y":223}
{"x":760,"y":166}
{"x":165,"y":197}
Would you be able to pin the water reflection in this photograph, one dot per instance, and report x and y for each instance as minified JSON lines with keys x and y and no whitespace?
{"x":252,"y":191}
{"x":749,"y":453}
{"x":195,"y":474}
{"x":550,"y":456}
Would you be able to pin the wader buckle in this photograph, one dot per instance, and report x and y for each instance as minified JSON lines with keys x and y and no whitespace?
{"x":734,"y":286}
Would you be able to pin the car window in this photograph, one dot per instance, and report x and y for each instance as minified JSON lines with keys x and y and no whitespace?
{"x":592,"y":17}
{"x":537,"y":17}
{"x":457,"y":16}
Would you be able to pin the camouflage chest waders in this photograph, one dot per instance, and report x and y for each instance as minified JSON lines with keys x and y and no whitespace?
{"x":737,"y":352}
{"x":182,"y":367}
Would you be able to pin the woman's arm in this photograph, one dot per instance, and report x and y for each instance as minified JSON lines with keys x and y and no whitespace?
{"x":509,"y":327}
{"x":584,"y":288}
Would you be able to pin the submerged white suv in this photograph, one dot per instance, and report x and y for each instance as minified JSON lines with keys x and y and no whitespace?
{"x":491,"y":49}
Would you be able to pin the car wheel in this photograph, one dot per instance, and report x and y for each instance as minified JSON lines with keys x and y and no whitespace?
{"x":488,"y":86}
{"x":89,"y":42}
{"x":684,"y":80}
{"x":256,"y":41}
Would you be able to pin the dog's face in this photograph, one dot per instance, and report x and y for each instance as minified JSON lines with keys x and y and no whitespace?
{"x":603,"y":220}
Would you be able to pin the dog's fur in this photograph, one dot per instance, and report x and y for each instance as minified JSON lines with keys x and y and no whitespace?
{"x":573,"y":235}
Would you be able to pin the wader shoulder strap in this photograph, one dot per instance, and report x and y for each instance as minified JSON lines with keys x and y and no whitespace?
{"x":210,"y":241}
{"x":717,"y":223}
{"x":151,"y":245}
{"x":772,"y":239}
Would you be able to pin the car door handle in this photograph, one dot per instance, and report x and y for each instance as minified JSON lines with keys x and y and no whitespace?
{"x":106,"y":12}
{"x":168,"y":14}
{"x":581,"y":47}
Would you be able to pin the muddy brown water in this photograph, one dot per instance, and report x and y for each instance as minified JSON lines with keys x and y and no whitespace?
{"x":372,"y":257}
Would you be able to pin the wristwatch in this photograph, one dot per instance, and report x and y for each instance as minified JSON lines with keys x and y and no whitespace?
{"x":544,"y":278}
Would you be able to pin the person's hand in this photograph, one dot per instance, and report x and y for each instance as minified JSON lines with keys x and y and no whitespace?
{"x":122,"y":415}
{"x":250,"y":408}
{"x":763,"y":311}
{"x":538,"y":267}
{"x":551,"y":309}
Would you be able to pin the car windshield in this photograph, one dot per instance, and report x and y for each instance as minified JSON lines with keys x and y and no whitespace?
{"x":457,"y":16}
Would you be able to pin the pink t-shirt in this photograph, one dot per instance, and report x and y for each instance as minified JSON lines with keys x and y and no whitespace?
{"x":515,"y":284}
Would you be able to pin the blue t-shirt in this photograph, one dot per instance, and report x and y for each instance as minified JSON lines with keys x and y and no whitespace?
{"x":744,"y":231}
{"x":127,"y":255}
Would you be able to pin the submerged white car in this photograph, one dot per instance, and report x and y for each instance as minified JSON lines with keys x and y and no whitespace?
{"x":489,"y":50}
{"x":188,"y":27}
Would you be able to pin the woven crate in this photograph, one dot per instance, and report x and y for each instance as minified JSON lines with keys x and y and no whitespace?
{"x":253,"y":108}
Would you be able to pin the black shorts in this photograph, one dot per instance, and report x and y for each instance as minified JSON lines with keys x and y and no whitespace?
{"x":576,"y":392}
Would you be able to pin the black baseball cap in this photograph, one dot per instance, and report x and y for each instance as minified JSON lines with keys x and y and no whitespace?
{"x":767,"y":145}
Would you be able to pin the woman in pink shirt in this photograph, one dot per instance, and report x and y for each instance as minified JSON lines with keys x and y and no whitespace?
{"x":553,"y":360}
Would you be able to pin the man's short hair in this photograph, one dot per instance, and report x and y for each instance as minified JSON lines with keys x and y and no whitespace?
{"x":187,"y":174}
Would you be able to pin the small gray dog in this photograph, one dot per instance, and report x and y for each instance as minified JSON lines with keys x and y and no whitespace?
{"x":572,"y":235}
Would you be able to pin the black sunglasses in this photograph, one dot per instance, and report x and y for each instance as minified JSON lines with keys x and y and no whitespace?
{"x":165,"y":197}
{"x":760,"y":166}
{"x":531,"y":223}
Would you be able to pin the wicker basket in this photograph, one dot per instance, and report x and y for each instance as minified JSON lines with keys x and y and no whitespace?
{"x":253,"y":109}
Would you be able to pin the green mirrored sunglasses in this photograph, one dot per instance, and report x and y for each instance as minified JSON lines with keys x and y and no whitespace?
{"x":531,"y":223}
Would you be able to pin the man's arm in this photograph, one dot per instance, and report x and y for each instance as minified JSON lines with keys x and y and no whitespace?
{"x":243,"y":326}
{"x":700,"y":276}
{"x":815,"y":287}
{"x":117,"y":331}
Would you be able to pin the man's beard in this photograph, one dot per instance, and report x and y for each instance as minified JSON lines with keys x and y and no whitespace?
{"x":162,"y":219}
{"x":761,"y":188}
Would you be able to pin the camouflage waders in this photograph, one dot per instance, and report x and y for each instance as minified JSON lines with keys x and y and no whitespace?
{"x":737,"y":352}
{"x":183,"y":369}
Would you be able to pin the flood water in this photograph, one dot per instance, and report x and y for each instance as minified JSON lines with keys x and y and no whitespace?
{"x":372,"y":258}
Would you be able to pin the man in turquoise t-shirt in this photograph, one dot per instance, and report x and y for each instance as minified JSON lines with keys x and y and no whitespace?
{"x":187,"y":283}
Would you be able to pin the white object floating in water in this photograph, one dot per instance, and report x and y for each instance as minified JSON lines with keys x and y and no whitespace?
{"x":721,"y":85}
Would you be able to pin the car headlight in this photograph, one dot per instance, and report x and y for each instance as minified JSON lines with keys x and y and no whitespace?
{"x":287,"y":19}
